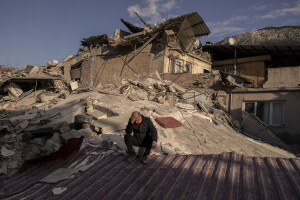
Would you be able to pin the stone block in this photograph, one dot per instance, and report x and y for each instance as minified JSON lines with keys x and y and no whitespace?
{"x":82,"y":119}
{"x":107,"y":144}
{"x":168,"y":122}
{"x":74,"y":85}
{"x":22,"y":126}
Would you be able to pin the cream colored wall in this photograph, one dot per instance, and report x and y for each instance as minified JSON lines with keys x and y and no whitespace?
{"x":197,"y":67}
{"x":251,"y":70}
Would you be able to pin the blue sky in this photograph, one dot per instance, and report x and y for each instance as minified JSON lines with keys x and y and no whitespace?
{"x":37,"y":31}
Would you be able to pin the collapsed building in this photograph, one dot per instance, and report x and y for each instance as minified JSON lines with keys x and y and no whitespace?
{"x":170,"y":47}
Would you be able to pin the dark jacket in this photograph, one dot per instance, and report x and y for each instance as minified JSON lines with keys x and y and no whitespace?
{"x":146,"y":128}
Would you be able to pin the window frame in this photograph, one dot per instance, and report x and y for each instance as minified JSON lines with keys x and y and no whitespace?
{"x":270,"y":112}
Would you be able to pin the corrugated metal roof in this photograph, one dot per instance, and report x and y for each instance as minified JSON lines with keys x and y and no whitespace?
{"x":197,"y":23}
{"x":223,"y":52}
{"x":223,"y":176}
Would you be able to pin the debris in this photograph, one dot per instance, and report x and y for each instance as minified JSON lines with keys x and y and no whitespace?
{"x":59,"y":190}
{"x":167,"y":149}
{"x":185,"y":106}
{"x":114,"y":123}
{"x":21,"y":127}
{"x":13,"y":90}
{"x":96,"y":114}
{"x":254,"y":127}
{"x":107,"y":144}
{"x":6,"y":153}
{"x":74,"y":85}
{"x":53,"y":144}
{"x":58,"y":175}
{"x":82,"y":119}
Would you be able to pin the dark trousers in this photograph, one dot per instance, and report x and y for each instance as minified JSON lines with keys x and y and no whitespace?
{"x":131,"y":141}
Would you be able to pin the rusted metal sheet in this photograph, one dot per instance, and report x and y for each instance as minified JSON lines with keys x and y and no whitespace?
{"x":223,"y":176}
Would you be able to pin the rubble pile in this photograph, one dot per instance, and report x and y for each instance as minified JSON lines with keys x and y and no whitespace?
{"x":203,"y":98}
{"x":34,"y":133}
{"x":40,"y":84}
{"x":44,"y":120}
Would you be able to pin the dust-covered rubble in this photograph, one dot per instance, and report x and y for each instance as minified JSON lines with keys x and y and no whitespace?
{"x":42,"y":122}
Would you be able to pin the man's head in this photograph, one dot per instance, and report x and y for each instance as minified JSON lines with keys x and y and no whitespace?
{"x":136,"y":117}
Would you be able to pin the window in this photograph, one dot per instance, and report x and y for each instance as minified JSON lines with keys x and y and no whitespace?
{"x":249,"y":107}
{"x":188,"y":67}
{"x":277,"y":113}
{"x":180,"y":66}
{"x":270,"y":112}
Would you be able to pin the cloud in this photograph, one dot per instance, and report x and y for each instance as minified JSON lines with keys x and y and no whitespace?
{"x":257,"y":7}
{"x":227,"y":27}
{"x":153,"y":11}
{"x":294,"y":10}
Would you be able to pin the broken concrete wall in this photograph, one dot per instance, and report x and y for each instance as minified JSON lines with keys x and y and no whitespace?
{"x":157,"y":58}
{"x":119,"y":34}
{"x":283,"y":77}
{"x":254,"y":127}
{"x":86,"y":73}
{"x":79,"y":58}
{"x":291,"y":98}
{"x":110,"y":70}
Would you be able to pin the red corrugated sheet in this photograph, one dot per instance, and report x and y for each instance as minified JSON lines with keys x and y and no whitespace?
{"x":224,"y":176}
{"x":71,"y":146}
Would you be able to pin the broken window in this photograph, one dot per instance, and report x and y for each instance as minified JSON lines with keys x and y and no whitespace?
{"x":188,"y":67}
{"x":270,"y":112}
{"x":176,"y":66}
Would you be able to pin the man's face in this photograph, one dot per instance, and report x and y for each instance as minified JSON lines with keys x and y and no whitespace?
{"x":138,"y":119}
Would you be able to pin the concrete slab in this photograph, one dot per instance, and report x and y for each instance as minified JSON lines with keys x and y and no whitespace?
{"x":114,"y":123}
{"x":58,"y":175}
{"x":96,"y":114}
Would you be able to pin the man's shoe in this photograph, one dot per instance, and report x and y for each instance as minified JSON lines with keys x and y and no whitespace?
{"x":131,"y":157}
{"x":144,"y":160}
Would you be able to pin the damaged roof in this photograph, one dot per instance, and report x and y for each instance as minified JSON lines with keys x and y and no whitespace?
{"x":227,"y":175}
{"x":131,"y":27}
{"x":94,"y":40}
{"x":197,"y":23}
{"x":287,"y":54}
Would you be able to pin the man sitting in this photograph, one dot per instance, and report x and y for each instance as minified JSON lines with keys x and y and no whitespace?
{"x":144,"y":135}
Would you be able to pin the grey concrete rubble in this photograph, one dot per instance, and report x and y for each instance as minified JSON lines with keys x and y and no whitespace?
{"x":100,"y":117}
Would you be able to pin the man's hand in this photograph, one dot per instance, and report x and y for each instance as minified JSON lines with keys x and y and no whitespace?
{"x":132,"y":119}
{"x":154,"y":145}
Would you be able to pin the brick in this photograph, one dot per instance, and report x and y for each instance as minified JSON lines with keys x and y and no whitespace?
{"x":168,"y":122}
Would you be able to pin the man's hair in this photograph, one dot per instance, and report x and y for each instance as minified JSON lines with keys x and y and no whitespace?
{"x":138,"y":113}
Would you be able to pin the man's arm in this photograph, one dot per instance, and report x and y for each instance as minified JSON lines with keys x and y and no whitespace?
{"x":129,"y":127}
